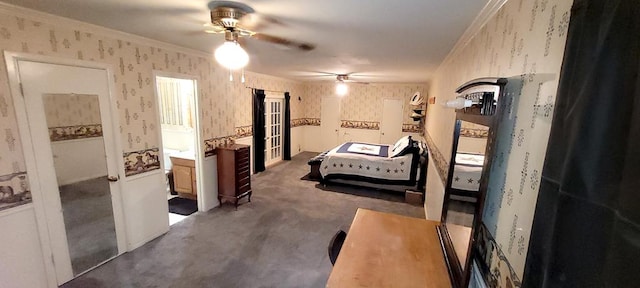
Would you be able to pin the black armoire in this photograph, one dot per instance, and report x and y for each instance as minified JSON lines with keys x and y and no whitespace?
{"x":586,"y":230}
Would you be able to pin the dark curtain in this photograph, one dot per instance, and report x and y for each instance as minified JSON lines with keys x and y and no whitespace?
{"x":258,"y":130}
{"x":287,"y":127}
{"x":586,"y":230}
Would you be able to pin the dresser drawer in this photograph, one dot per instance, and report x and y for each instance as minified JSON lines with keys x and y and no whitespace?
{"x":242,"y":175}
{"x":243,"y":151}
{"x":242,"y":158}
{"x":244,"y":188}
{"x":243,"y":180}
{"x":242,"y":166}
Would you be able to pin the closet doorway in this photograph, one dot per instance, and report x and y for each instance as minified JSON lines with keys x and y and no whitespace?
{"x":329,"y":123}
{"x":273,"y":130}
{"x":73,"y":157}
{"x":177,"y":102}
{"x":391,"y":124}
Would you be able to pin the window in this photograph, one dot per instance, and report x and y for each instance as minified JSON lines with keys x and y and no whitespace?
{"x":176,"y":102}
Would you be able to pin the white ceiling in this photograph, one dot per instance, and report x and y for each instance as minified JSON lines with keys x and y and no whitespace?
{"x":377,"y":40}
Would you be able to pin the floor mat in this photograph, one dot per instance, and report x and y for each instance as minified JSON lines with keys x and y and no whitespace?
{"x":182,"y":206}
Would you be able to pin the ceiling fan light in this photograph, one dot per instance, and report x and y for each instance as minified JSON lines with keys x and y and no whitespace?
{"x":341,"y":88}
{"x":231,"y":55}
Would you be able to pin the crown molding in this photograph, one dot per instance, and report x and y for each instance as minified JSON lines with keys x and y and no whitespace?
{"x":39,"y":16}
{"x":489,"y":10}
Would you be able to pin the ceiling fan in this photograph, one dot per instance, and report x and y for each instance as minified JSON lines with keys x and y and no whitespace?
{"x":237,"y":20}
{"x":341,"y":86}
{"x":346,"y":78}
{"x":339,"y":77}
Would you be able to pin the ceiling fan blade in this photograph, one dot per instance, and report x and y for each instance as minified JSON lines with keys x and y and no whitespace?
{"x":255,"y":22}
{"x":356,"y":82}
{"x":284,"y":42}
{"x":212,"y":29}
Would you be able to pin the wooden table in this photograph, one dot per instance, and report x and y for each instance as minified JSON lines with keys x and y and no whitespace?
{"x":388,"y":250}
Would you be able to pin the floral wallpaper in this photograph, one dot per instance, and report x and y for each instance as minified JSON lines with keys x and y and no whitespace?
{"x":133,"y":63}
{"x":224,"y":105}
{"x":363,"y":103}
{"x":524,"y":42}
{"x":72,"y":116}
{"x":274,"y":87}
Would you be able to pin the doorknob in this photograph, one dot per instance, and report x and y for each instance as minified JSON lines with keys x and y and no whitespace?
{"x":112,"y":178}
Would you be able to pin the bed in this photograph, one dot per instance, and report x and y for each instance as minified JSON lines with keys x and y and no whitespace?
{"x":397,"y":166}
{"x":467,"y":174}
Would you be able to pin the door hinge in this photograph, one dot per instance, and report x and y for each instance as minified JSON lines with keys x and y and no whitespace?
{"x":53,"y":260}
{"x":21,"y":90}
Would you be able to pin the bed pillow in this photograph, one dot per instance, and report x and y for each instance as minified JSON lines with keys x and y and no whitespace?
{"x":402,"y":147}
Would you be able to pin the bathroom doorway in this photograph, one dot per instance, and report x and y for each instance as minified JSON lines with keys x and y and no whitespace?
{"x":177,"y":102}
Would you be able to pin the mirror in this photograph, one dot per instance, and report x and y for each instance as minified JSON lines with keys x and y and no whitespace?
{"x":78,"y":147}
{"x":465,"y":185}
{"x":463,"y":194}
{"x":469,"y":165}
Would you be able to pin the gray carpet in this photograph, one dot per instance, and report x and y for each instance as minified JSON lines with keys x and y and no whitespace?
{"x":278,"y":240}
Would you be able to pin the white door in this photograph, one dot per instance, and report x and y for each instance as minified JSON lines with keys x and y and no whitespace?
{"x":330,"y":122}
{"x":44,"y":84}
{"x":391,"y":125}
{"x":273,"y":130}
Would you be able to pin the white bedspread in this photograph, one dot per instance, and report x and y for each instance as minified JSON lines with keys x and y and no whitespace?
{"x":467,"y":172}
{"x":398,"y":168}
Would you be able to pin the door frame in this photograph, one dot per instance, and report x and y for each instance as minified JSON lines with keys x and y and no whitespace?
{"x":198,"y":145}
{"x":267,"y":133}
{"x":15,"y":86}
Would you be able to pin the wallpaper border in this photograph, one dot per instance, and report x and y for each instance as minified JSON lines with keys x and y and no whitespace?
{"x":412,"y":128}
{"x":145,"y":161}
{"x":474,"y":133}
{"x":8,"y":187}
{"x":305,"y":122}
{"x":63,"y":133}
{"x":442,"y":165}
{"x":355,"y":124}
{"x":496,"y":261}
{"x":211,"y":144}
{"x":244,"y":131}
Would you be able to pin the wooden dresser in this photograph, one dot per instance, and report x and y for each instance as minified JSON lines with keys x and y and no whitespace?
{"x":234,"y":175}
